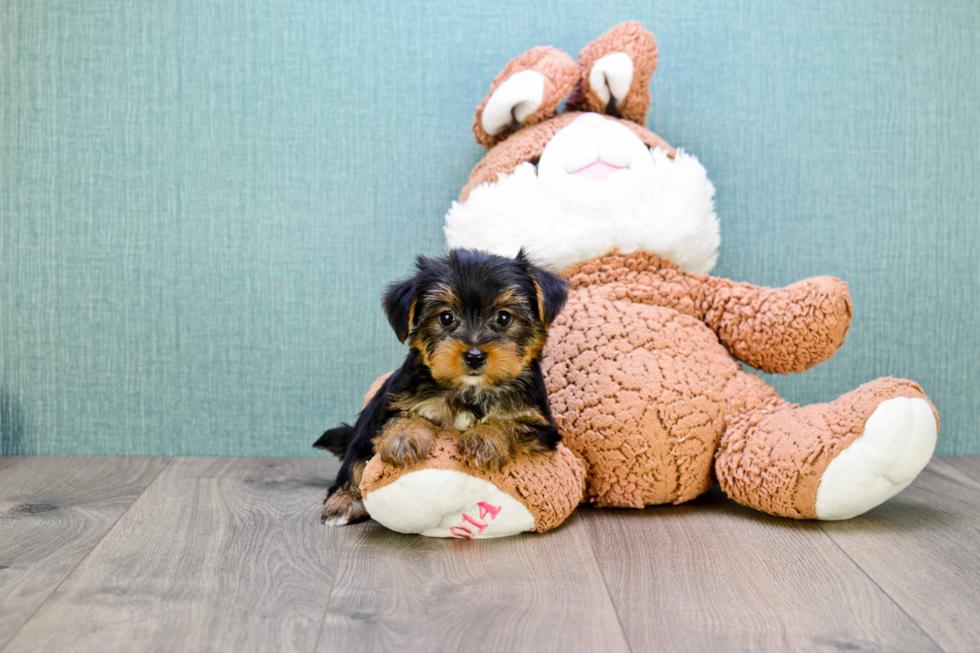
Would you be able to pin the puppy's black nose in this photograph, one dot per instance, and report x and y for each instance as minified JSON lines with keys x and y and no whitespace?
{"x":475,"y":358}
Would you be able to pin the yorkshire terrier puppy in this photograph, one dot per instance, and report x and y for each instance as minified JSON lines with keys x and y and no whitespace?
{"x":475,"y":324}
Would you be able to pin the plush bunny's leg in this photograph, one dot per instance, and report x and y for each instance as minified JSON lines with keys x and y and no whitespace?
{"x":446,"y":496}
{"x":826,"y":461}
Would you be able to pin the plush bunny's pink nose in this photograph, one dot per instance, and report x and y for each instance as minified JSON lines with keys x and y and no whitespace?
{"x":589,"y":120}
{"x":583,"y":145}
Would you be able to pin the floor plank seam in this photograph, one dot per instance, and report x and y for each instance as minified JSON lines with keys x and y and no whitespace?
{"x":605,"y":585}
{"x":86,"y":556}
{"x":333,"y":583}
{"x":883,"y":591}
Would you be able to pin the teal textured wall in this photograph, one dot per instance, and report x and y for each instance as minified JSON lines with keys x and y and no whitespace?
{"x":200,"y":202}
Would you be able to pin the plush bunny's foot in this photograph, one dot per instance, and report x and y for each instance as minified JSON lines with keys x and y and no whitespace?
{"x":446,"y":496}
{"x":826,"y":461}
{"x":897,"y":442}
{"x":448,"y":503}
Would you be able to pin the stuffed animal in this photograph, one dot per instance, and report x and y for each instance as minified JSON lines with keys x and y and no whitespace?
{"x":642,"y":366}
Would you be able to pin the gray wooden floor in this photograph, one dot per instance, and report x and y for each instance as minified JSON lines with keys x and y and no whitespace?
{"x":224,"y":554}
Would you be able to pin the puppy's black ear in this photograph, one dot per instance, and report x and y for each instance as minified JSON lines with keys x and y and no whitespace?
{"x":401,"y":299}
{"x":399,"y":304}
{"x":550,"y":288}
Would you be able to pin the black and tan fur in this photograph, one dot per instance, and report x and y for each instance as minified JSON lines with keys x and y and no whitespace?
{"x":475,"y":324}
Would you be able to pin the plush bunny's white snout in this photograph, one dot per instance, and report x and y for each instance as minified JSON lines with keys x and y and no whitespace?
{"x":594,"y":149}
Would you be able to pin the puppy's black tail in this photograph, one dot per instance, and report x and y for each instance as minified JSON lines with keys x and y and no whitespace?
{"x":336,"y":440}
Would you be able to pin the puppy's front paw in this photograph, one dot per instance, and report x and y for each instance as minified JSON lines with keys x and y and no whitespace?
{"x":405,"y":441}
{"x":486,"y":447}
{"x":342,"y":508}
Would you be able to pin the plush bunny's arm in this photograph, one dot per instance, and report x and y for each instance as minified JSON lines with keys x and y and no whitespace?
{"x":779,"y":330}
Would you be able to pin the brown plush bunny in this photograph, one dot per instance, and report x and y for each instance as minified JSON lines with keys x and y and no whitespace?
{"x":642,"y":364}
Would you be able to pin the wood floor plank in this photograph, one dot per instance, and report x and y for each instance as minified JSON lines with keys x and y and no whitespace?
{"x":710,"y":575}
{"x":218,"y":555}
{"x":53,"y":512}
{"x":526,"y":593}
{"x":969,"y":465}
{"x":922,"y":547}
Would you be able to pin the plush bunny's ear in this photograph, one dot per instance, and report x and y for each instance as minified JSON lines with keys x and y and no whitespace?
{"x":617,"y":68}
{"x":526,"y":92}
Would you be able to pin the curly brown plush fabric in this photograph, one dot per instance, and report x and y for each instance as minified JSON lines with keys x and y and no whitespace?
{"x":550,"y":485}
{"x":644,"y":386}
{"x":641,"y":47}
{"x":776,"y":330}
{"x":638,"y":389}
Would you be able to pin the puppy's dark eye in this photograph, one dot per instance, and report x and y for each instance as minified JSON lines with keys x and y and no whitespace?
{"x":503,"y":319}
{"x":446,"y":318}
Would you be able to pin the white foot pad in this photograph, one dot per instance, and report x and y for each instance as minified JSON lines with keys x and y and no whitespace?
{"x":897,"y":442}
{"x":337,"y":521}
{"x":447,"y":503}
